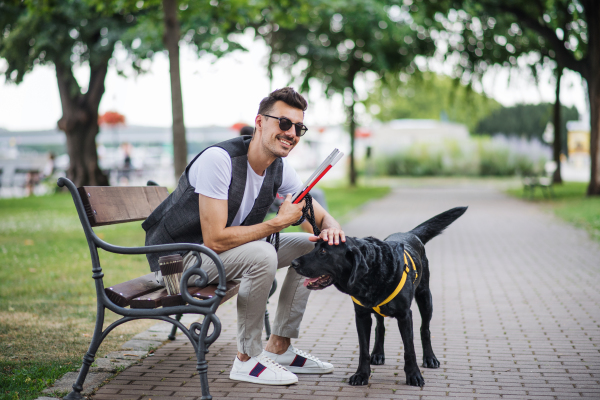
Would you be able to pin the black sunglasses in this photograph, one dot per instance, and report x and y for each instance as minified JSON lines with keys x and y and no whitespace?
{"x":285,"y":124}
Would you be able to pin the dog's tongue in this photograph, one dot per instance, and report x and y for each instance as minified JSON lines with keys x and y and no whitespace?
{"x":308,"y":281}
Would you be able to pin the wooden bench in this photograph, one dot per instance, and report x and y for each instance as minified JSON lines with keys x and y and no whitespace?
{"x":143,"y":297}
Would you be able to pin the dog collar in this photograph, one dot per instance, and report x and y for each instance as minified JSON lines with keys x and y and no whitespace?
{"x":398,"y":288}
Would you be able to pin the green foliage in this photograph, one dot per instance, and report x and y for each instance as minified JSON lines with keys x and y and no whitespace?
{"x":341,"y":39}
{"x":56,"y":32}
{"x":24,"y":381}
{"x":47,"y":296}
{"x":582,"y":212}
{"x":527,"y":120}
{"x":428,"y":96}
{"x":478,"y":157}
{"x":477,"y":34}
{"x":487,"y":32}
{"x":343,"y":200}
{"x":206,"y":27}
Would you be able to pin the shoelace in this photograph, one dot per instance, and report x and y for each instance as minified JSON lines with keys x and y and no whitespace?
{"x":269,"y":362}
{"x":306,"y":355}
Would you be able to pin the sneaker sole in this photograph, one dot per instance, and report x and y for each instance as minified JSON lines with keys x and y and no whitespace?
{"x":309,"y":370}
{"x":252,"y":379}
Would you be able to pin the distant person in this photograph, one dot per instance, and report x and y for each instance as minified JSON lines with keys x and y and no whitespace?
{"x":127,"y":165}
{"x":49,"y":167}
{"x":247,"y":131}
{"x":31,"y":180}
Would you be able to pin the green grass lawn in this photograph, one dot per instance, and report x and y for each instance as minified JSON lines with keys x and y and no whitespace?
{"x":47,"y":296}
{"x":571,"y":204}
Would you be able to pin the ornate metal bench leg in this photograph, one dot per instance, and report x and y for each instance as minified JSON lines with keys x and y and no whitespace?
{"x":88,"y":358}
{"x":174,"y":330}
{"x":202,"y":368}
{"x":202,"y":365}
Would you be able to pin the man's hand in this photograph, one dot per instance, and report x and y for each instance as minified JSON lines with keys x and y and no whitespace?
{"x":331,"y":235}
{"x":289,"y":213}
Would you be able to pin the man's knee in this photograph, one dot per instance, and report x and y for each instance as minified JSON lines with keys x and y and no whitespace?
{"x":262,"y":256}
{"x":305,"y":246}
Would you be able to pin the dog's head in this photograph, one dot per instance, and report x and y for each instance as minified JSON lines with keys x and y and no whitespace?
{"x":343,"y":264}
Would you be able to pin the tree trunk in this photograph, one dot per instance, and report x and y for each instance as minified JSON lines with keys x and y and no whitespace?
{"x":83,"y":157}
{"x":557,"y":146}
{"x":352,"y":125}
{"x":171,"y":42}
{"x":80,"y":123}
{"x":594,"y":94}
{"x":593,"y":81}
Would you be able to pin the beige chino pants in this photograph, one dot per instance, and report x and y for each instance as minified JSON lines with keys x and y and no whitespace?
{"x":254,"y":265}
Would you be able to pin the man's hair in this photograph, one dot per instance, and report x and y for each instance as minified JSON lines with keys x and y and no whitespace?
{"x":288,"y":95}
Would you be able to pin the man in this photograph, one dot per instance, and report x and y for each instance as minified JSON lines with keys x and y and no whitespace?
{"x":221,"y":200}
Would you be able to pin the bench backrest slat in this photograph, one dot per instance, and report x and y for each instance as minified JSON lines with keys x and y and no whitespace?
{"x":107,"y":205}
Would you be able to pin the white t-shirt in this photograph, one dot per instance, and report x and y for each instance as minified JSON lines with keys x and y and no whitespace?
{"x":210,"y":175}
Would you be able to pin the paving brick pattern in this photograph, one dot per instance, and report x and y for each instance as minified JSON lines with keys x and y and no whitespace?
{"x":516,"y":314}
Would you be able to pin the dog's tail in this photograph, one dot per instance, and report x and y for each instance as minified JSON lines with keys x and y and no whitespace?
{"x":436,"y":225}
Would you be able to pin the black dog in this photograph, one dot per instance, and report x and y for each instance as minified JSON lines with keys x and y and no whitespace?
{"x":382,"y":277}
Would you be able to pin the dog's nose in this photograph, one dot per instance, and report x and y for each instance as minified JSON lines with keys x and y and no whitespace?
{"x":295,"y":264}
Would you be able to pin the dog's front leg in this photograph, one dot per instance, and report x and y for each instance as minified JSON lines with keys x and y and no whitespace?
{"x":378,"y":354}
{"x":362,"y":317}
{"x":411,"y":368}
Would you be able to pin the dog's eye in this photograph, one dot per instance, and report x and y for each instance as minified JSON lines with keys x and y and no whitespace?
{"x":323,"y":251}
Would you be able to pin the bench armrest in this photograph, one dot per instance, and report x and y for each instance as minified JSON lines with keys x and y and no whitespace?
{"x":92,"y":238}
{"x":173,"y":247}
{"x":187,"y":274}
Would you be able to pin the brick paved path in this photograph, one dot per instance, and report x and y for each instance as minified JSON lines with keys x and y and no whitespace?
{"x":516,"y":314}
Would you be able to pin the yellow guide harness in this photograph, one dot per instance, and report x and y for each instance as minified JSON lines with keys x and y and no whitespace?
{"x":398,"y":288}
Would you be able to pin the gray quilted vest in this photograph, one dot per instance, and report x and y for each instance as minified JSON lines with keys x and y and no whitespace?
{"x":177,"y":219}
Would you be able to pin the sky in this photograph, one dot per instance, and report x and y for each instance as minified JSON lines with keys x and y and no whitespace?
{"x":227,"y":91}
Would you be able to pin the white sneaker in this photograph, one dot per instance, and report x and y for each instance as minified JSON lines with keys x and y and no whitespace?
{"x":261,"y":369}
{"x":300,"y":362}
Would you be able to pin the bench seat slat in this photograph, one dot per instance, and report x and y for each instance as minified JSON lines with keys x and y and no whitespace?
{"x":122,"y":293}
{"x":107,"y":205}
{"x":145,"y":292}
{"x":150,"y":300}
{"x":204,"y":293}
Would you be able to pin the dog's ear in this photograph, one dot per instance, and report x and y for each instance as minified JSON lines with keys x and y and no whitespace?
{"x":358,"y":263}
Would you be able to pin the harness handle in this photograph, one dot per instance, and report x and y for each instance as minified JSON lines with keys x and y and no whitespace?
{"x":308,"y":213}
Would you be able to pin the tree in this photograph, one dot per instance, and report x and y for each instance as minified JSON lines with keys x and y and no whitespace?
{"x":171,"y":40}
{"x":527,"y":120}
{"x":206,"y":26}
{"x":64,"y":34}
{"x":276,"y":15}
{"x":565,"y":31}
{"x":343,"y":40}
{"x":429,"y":96}
{"x":557,"y":144}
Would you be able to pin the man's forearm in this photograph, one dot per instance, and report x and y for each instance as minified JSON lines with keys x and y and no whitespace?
{"x":329,"y":222}
{"x":235,"y":236}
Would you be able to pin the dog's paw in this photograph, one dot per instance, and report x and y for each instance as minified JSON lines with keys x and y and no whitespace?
{"x":359,"y":379}
{"x":377,"y":359}
{"x":430,"y":362}
{"x":415,"y":379}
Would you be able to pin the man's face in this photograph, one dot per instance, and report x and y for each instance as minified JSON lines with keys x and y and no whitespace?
{"x":274,"y":140}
